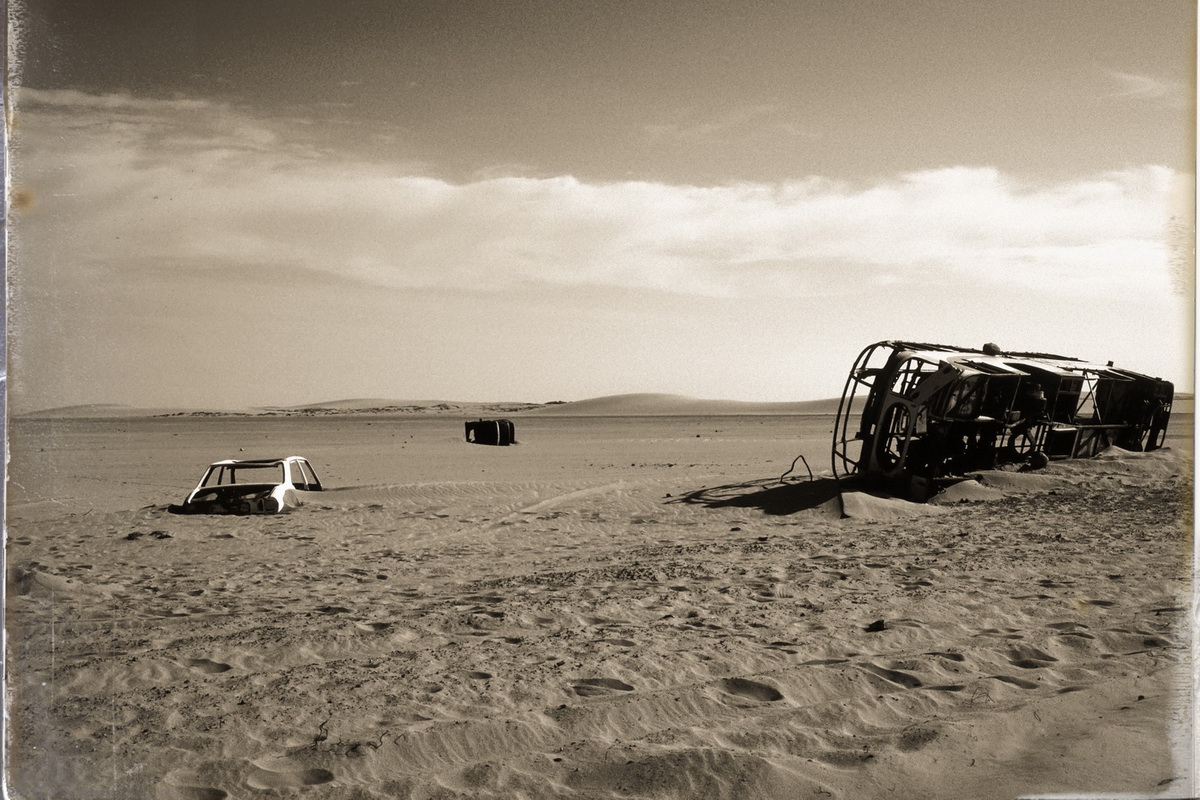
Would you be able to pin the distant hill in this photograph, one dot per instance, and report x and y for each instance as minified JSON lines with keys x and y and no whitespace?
{"x":330,"y":408}
{"x":377,"y":406}
{"x":618,"y":405}
{"x":94,"y":411}
{"x":664,"y":405}
{"x":372,"y":404}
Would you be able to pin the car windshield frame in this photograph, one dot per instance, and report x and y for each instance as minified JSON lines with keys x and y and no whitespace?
{"x":236,"y":474}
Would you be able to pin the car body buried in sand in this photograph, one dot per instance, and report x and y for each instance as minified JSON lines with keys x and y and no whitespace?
{"x":251,"y":486}
{"x":914,"y":415}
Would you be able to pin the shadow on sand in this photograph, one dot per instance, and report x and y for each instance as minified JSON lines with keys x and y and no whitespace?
{"x":767,"y":494}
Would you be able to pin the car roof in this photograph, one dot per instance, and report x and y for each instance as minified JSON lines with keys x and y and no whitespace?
{"x":257,"y":462}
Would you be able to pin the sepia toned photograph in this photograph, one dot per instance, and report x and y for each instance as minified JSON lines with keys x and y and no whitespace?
{"x":600,"y":399}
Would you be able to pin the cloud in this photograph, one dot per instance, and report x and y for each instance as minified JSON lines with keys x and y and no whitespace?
{"x":1131,"y":86}
{"x":120,"y":180}
{"x":754,"y":122}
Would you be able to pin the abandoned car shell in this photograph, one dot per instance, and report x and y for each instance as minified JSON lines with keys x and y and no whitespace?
{"x":251,"y":486}
{"x":913,"y":414}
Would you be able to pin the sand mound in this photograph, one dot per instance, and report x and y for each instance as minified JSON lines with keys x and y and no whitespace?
{"x":24,"y":582}
{"x":865,"y":505}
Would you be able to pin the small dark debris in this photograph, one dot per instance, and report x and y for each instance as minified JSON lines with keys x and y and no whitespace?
{"x":491,"y":431}
{"x":876,"y":626}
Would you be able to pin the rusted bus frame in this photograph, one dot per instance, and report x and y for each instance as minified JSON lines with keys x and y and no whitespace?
{"x":843,"y":464}
{"x":864,"y":374}
{"x":1086,"y":408}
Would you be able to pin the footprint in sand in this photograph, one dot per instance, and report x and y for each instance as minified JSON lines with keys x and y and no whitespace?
{"x":206,"y":666}
{"x":192,"y":793}
{"x":914,"y":585}
{"x":620,"y":642}
{"x":894,"y":676}
{"x":1018,"y":682}
{"x":1027,"y":663}
{"x":332,"y":610}
{"x":1052,"y":584}
{"x":751,"y":690}
{"x":492,"y":614}
{"x":593,"y":687}
{"x":846,"y":758}
{"x":267,"y":779}
{"x":1007,"y":633}
{"x":915,"y":738}
{"x":483,"y":598}
{"x":1029,"y":658}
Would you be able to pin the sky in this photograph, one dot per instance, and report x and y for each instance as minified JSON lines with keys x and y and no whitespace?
{"x":227,"y":204}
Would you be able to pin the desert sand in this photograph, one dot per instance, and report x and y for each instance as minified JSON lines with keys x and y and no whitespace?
{"x":616,"y":607}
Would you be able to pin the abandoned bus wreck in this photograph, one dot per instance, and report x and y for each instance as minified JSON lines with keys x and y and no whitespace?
{"x":913,"y":415}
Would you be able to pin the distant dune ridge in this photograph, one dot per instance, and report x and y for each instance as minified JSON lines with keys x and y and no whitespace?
{"x":650,"y":405}
{"x":618,"y":405}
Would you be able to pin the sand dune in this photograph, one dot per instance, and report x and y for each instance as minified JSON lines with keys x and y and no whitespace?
{"x":410,"y":406}
{"x":615,"y":608}
{"x":94,"y":411}
{"x":622,"y":405}
{"x":678,"y":405}
{"x":645,"y":404}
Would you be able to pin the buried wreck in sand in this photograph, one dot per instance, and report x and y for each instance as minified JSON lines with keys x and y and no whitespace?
{"x":251,"y":486}
{"x":915,"y":415}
